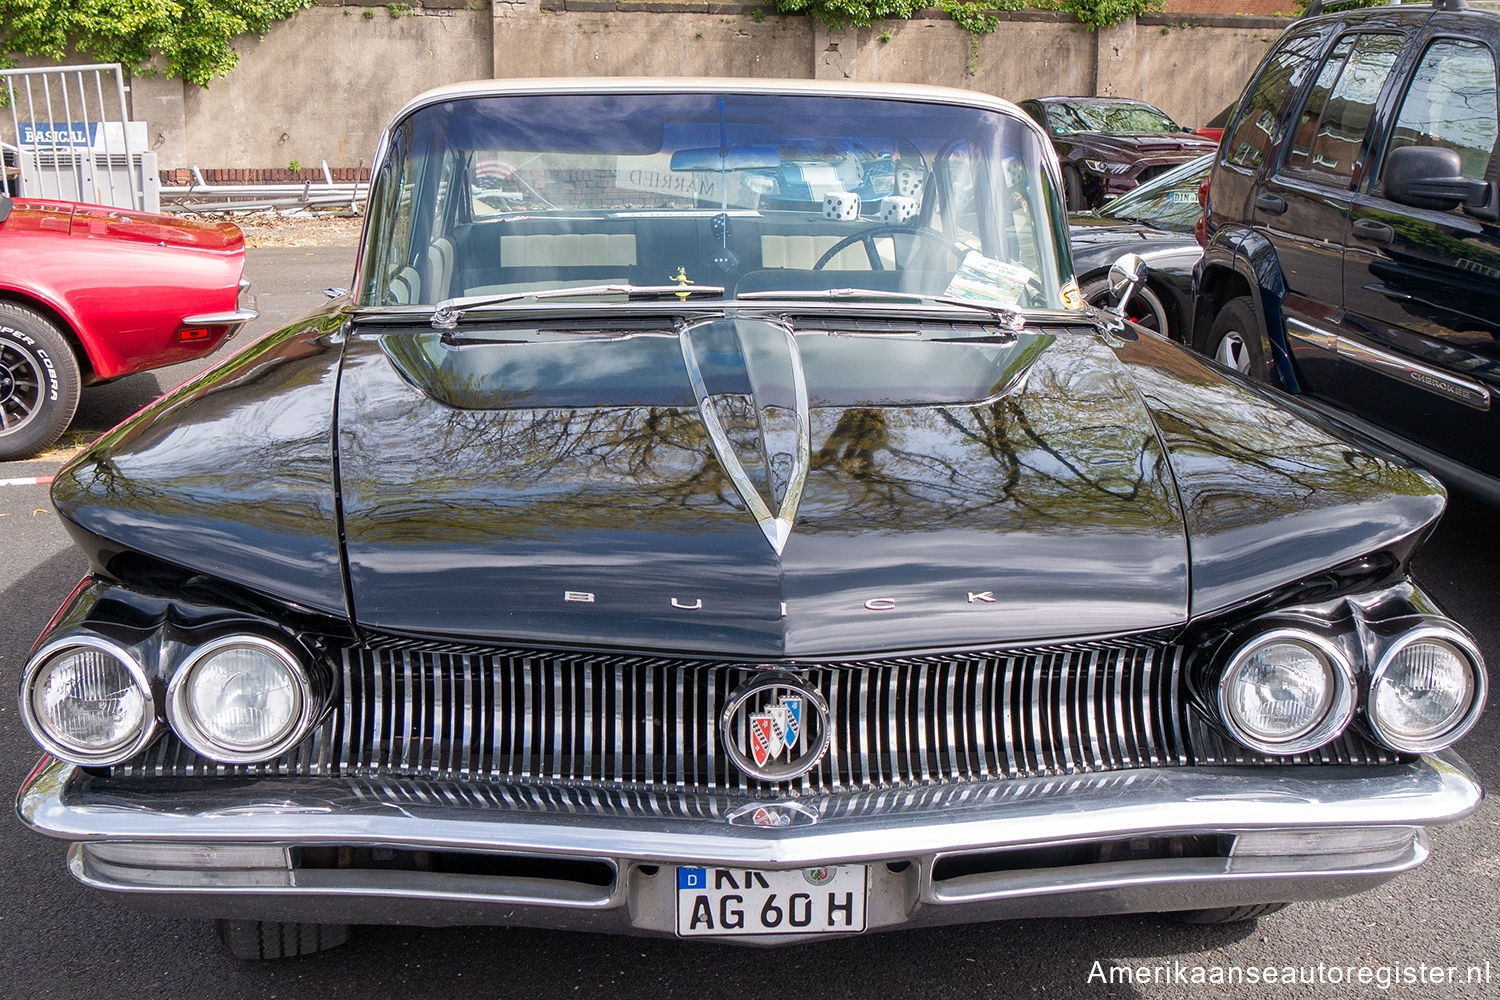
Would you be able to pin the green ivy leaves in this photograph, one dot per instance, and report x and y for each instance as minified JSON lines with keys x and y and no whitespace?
{"x":192,"y":36}
{"x":975,"y":17}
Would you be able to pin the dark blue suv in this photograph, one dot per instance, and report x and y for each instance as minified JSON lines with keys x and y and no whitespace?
{"x":1352,"y":252}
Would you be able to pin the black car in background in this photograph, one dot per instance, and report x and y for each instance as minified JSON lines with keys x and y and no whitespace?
{"x":1108,"y":145}
{"x":1156,"y":221}
{"x":1353,"y":254}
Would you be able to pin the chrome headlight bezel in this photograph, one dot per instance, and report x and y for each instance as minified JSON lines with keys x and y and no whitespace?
{"x":1478,"y":689}
{"x":190,"y":730}
{"x":62,"y":750}
{"x":1336,"y":717}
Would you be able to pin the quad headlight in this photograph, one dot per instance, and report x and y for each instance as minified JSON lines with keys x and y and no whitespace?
{"x":1426,"y":691}
{"x":87,"y":701}
{"x":1287,"y":691}
{"x":241,"y":699}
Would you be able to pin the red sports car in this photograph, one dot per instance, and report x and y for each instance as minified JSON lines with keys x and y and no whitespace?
{"x":89,"y":293}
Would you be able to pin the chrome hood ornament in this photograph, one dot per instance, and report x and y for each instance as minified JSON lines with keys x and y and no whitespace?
{"x":772,"y":364}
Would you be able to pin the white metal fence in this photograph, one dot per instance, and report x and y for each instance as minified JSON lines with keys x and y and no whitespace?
{"x":71,"y":138}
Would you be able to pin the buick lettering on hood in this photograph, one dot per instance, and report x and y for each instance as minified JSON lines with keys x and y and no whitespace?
{"x":713,"y":512}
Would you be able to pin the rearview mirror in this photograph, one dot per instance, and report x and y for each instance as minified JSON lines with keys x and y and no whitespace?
{"x":727,"y":158}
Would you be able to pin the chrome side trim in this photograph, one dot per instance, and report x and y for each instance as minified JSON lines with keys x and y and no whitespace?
{"x":1435,"y":380}
{"x":239,"y":317}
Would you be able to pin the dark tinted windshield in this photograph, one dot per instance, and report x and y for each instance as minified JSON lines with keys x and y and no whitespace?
{"x":1124,"y":118}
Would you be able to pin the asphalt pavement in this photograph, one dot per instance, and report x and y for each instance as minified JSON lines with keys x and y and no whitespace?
{"x":58,"y":939}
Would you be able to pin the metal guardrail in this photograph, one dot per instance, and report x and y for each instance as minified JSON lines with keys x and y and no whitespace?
{"x":201,"y":196}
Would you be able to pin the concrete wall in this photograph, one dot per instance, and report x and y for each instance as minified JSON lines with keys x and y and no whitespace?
{"x":323,"y":84}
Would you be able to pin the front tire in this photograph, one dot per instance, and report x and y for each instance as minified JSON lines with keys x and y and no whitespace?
{"x":39,"y":382}
{"x":259,"y":940}
{"x":1235,"y":340}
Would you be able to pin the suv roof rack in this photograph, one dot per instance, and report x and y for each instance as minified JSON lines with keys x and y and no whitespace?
{"x":1319,"y":6}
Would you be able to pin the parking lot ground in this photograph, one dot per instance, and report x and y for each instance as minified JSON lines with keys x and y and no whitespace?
{"x":60,"y":940}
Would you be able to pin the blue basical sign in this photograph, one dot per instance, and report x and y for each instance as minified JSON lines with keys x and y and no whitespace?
{"x":45,"y":134}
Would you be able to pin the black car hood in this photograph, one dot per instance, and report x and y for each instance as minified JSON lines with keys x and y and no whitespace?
{"x":1129,"y":147}
{"x":956,"y":493}
{"x":567,"y":493}
{"x":1098,"y":242}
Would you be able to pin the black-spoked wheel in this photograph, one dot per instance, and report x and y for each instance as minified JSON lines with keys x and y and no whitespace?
{"x":1145,"y":306}
{"x":869,"y":236}
{"x":1235,"y":340}
{"x":39,"y":382}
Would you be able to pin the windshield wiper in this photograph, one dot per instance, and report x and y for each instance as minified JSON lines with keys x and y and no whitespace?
{"x":447,"y":313}
{"x":1007,"y":316}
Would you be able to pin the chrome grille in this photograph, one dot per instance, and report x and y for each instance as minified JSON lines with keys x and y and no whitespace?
{"x":583,"y":718}
{"x":518,"y":718}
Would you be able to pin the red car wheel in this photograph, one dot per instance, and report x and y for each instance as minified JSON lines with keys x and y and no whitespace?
{"x":39,"y":382}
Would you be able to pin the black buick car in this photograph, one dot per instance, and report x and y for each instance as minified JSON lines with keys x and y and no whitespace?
{"x":713,"y":512}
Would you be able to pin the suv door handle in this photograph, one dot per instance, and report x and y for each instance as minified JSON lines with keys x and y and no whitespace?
{"x":1270,"y":203}
{"x":1373,"y":232}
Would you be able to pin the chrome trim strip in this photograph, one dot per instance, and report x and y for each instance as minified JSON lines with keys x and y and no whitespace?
{"x":1063,"y":703}
{"x":1091,"y":709}
{"x":1146,"y":709}
{"x":919,"y":721}
{"x":1429,"y":377}
{"x":238,"y":317}
{"x":62,"y":801}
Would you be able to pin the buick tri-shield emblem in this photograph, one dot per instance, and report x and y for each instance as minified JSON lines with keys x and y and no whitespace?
{"x":775,"y":728}
{"x":763,"y":358}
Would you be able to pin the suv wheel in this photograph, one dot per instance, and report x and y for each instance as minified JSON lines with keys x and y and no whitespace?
{"x":1235,"y":339}
{"x":39,"y":382}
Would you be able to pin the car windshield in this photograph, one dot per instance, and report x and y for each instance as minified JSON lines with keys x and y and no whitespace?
{"x":1166,"y":202}
{"x":496,"y":195}
{"x":1124,"y":118}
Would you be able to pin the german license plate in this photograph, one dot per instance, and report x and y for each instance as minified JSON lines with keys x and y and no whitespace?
{"x":731,"y":901}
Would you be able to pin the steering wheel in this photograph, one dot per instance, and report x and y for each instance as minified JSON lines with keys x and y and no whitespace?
{"x":868,"y":237}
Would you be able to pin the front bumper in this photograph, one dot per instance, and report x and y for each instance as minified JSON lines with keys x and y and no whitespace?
{"x":600,"y":859}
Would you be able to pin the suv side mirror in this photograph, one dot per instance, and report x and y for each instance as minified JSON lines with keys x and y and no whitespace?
{"x":1433,"y":177}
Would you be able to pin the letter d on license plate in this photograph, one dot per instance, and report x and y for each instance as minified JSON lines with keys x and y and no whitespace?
{"x":729,"y":901}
